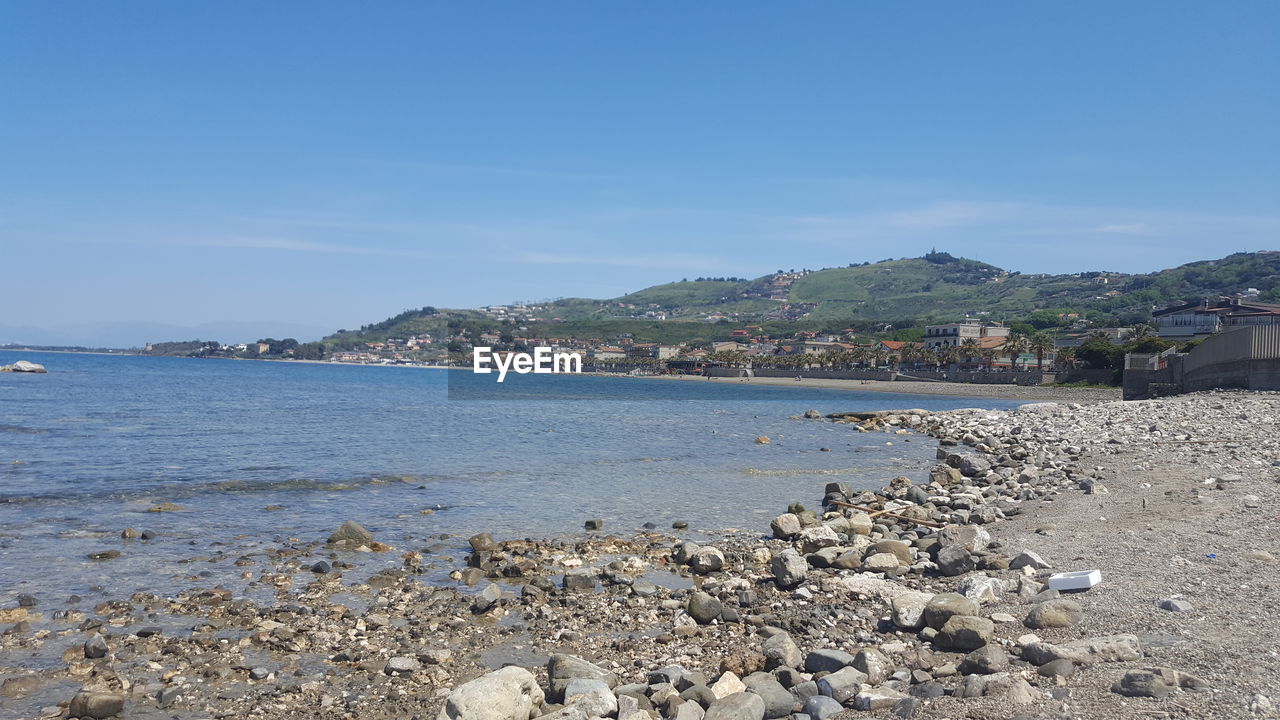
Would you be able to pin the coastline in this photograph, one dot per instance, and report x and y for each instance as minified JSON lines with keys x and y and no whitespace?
{"x":1029,"y":393}
{"x":1119,"y":487}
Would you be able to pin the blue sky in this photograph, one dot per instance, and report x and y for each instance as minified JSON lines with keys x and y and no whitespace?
{"x":330,"y":164}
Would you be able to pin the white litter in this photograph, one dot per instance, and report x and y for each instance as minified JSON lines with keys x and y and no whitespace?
{"x":1077,"y":580}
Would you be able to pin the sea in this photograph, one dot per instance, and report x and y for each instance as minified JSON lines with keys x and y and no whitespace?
{"x":259,"y":453}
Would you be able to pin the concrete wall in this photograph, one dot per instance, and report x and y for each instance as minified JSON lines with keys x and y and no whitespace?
{"x":988,"y":378}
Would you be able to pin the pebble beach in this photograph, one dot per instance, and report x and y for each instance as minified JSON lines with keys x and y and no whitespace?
{"x":922,"y":599}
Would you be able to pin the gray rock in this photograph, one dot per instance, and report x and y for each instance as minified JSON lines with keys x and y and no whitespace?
{"x":684,"y":551}
{"x":1176,"y":605}
{"x":943,"y":606}
{"x":781,"y":651}
{"x":1156,"y":683}
{"x":703,"y":608}
{"x":402,"y":665}
{"x":1027,"y":558}
{"x":881,"y":563}
{"x":1058,"y":668}
{"x":954,"y":560}
{"x":96,"y":647}
{"x":785,"y":526}
{"x":969,"y":537}
{"x":350,"y":532}
{"x":965,"y":632}
{"x":1107,"y":648}
{"x":482,"y":542}
{"x":813,"y":539}
{"x":907,"y":707}
{"x":738,"y":706}
{"x":562,"y":668}
{"x":827,"y":660}
{"x":97,"y":705}
{"x":321,"y":567}
{"x":486,"y":599}
{"x":689,"y":711}
{"x":778,"y":702}
{"x":986,"y":660}
{"x":821,"y":707}
{"x":881,"y":698}
{"x":593,"y":524}
{"x":592,"y":696}
{"x":707,"y":560}
{"x":908,"y":609}
{"x":802,"y":691}
{"x":580,"y":580}
{"x":1058,"y":613}
{"x":262,"y":673}
{"x":873,"y":662}
{"x":789,"y":568}
{"x":700,"y":694}
{"x":842,"y":684}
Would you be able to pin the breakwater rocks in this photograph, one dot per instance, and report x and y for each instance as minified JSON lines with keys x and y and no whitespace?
{"x":922,"y":599}
{"x":23,"y":366}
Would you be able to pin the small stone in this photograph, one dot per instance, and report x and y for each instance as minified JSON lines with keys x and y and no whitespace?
{"x":1029,"y":559}
{"x":789,"y":568}
{"x":843,"y":684}
{"x":763,"y":440}
{"x":727,"y":684}
{"x":781,"y":651}
{"x":97,"y":705}
{"x":482,"y":542}
{"x":321,"y":567}
{"x":785,"y":526}
{"x":593,"y":524}
{"x":351,"y":532}
{"x":1173,"y":604}
{"x":821,"y":707}
{"x":104,"y":555}
{"x":129,"y":533}
{"x":955,"y":560}
{"x":703,"y":607}
{"x":96,"y":647}
{"x":402,"y":665}
{"x":27,"y":600}
{"x":259,"y":673}
{"x":707,"y":560}
{"x":880,"y":698}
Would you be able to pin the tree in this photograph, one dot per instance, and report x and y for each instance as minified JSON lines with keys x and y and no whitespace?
{"x":1015,"y":346}
{"x":1040,"y":344}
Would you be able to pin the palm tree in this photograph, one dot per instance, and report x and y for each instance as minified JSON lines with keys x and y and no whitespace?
{"x":1040,"y":344}
{"x":1065,"y":357}
{"x":1142,"y":331}
{"x":1015,"y":346}
{"x":970,"y":348}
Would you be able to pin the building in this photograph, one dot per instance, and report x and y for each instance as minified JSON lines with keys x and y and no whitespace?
{"x":1209,"y":318}
{"x":954,"y":334}
{"x":653,"y":350}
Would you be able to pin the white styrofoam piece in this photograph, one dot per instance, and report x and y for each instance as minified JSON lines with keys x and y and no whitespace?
{"x":1076,"y":580}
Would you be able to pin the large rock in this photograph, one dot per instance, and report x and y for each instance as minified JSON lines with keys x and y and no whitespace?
{"x":965,"y":632}
{"x":860,"y":523}
{"x":511,"y":693}
{"x":1057,"y":613}
{"x":778,"y":702}
{"x":943,"y":606}
{"x":986,"y":660}
{"x":1088,"y":651}
{"x":982,"y":589}
{"x":703,"y":607}
{"x":874,"y":663}
{"x":727,"y":684}
{"x":881,"y":563}
{"x":827,"y":660}
{"x":954,"y":560}
{"x":590,"y":695}
{"x":97,"y":705}
{"x":908,"y":609}
{"x":785,"y":526}
{"x":580,"y":580}
{"x":707,"y":560}
{"x":969,"y":537}
{"x":881,"y":698}
{"x":789,"y":568}
{"x":563,"y":668}
{"x":27,"y":367}
{"x":813,"y":539}
{"x":821,"y":707}
{"x":1006,"y":686}
{"x":738,"y":706}
{"x":897,"y":548}
{"x":842,"y":684}
{"x":1156,"y":683}
{"x":781,"y":651}
{"x":96,"y":647}
{"x":351,"y":533}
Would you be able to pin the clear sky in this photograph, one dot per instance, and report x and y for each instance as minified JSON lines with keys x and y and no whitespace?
{"x":331,"y":164}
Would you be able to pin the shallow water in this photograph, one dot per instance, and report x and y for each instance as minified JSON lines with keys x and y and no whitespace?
{"x":88,"y":447}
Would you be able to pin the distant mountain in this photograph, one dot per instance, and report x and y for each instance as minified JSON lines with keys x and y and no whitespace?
{"x":138,"y":334}
{"x":905,"y":293}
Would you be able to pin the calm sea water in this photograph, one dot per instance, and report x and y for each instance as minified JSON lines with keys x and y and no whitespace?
{"x":87,"y":448}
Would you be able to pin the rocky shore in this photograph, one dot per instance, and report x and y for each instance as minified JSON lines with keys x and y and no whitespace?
{"x":931,"y":600}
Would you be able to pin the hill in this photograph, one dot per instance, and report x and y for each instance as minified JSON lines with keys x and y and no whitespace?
{"x":906,"y":293}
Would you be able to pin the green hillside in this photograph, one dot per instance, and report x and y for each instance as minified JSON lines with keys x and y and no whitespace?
{"x":907,"y":292}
